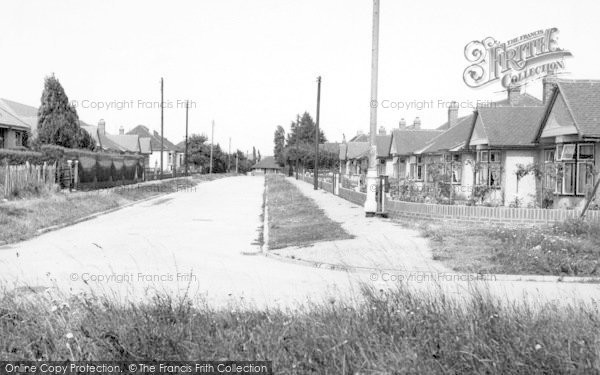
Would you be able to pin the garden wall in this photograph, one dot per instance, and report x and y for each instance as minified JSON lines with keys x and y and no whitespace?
{"x":474,"y":214}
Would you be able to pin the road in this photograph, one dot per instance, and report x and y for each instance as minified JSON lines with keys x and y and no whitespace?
{"x":196,"y":244}
{"x":186,"y":243}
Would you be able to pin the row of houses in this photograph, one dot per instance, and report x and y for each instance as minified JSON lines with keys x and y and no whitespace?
{"x":19,"y":122}
{"x":520,"y":151}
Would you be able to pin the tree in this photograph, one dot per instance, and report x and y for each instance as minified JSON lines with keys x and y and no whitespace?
{"x":58,"y":122}
{"x":300,"y":142}
{"x":279,"y":141}
{"x":259,"y":157}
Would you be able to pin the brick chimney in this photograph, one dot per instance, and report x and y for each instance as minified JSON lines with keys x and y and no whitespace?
{"x":417,"y":123}
{"x":549,"y":84}
{"x":402,"y":124}
{"x":452,"y":114}
{"x":121,"y":130}
{"x":514,"y":92}
{"x":382,"y":130}
{"x":102,"y":127}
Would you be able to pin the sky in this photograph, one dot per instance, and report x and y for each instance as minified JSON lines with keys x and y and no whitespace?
{"x":251,"y":65}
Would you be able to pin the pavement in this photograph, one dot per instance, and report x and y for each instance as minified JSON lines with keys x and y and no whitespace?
{"x":196,"y":243}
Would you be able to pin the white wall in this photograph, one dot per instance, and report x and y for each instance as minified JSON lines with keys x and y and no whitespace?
{"x":155,"y":160}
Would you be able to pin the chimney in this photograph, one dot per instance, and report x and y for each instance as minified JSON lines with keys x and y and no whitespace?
{"x":101,"y":127}
{"x":549,"y":84}
{"x":514,"y":92}
{"x":382,"y":130}
{"x":452,"y":114}
{"x":417,"y":123}
{"x":121,"y":130}
{"x":402,"y":124}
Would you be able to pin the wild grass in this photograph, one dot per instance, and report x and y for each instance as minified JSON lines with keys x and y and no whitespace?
{"x":296,"y":220}
{"x":568,"y":248}
{"x":396,"y":331}
{"x":21,"y":219}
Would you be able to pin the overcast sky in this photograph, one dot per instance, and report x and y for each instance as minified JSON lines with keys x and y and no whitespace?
{"x":252,"y":65}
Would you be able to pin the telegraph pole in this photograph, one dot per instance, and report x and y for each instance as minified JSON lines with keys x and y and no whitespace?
{"x":162,"y":118}
{"x":316,"y":174}
{"x":187,"y":107}
{"x":371,"y":202}
{"x":212,"y":142}
{"x":237,"y":160}
{"x":229,"y":156}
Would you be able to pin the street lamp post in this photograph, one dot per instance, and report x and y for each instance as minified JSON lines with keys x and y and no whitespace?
{"x":370,"y":202}
{"x":316,"y":174}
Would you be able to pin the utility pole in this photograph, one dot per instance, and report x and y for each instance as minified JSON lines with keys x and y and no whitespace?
{"x":187,"y":107}
{"x":316,"y":174}
{"x":371,"y":201}
{"x":236,"y":162}
{"x":162,"y":118}
{"x":212,"y":142}
{"x":229,"y":156}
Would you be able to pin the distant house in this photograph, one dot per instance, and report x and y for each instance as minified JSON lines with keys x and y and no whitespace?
{"x":266,"y":165}
{"x":117,"y":143}
{"x":172,"y":155}
{"x":405,"y":143}
{"x":17,"y":121}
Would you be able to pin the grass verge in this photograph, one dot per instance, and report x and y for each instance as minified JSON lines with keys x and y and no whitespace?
{"x":21,"y":219}
{"x":294,"y":219}
{"x":571,"y":248}
{"x":394,"y":331}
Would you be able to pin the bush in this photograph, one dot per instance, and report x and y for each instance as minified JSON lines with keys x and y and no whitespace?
{"x":15,"y":157}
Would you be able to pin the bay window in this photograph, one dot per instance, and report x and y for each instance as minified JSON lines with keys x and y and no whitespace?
{"x":416,"y":169}
{"x":575,"y":168}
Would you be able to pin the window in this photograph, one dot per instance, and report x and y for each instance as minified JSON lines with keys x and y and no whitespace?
{"x":2,"y":134}
{"x":416,"y":169}
{"x":490,"y":164}
{"x":18,"y":139}
{"x":575,"y":168}
{"x":549,"y":170}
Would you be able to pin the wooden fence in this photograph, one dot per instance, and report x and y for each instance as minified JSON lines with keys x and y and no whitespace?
{"x":14,"y":178}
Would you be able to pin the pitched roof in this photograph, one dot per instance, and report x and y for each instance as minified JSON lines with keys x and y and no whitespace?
{"x":522,"y":100}
{"x":583,"y":103}
{"x":357,"y":150}
{"x":384,"y":143}
{"x":127,"y":142}
{"x":408,"y":141}
{"x":509,"y":126}
{"x":360,"y":138}
{"x":267,"y":162}
{"x":18,"y":115}
{"x":451,"y":138}
{"x":144,"y":132}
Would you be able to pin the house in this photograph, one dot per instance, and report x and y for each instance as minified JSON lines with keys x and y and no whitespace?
{"x":267,"y":165}
{"x":356,"y":158}
{"x":405,"y":142}
{"x":502,"y":137}
{"x":568,"y":139}
{"x":17,"y":122}
{"x":117,"y":143}
{"x":172,"y":155}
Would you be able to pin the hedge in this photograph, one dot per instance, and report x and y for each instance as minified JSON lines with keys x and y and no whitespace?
{"x":94,"y":168}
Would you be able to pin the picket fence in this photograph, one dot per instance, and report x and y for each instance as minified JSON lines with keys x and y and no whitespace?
{"x":17,"y":177}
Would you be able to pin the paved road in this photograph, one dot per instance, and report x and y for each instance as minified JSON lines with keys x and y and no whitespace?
{"x":193,"y":243}
{"x":186,"y":242}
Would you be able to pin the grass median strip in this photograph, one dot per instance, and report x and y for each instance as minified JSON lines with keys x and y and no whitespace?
{"x":296,"y":220}
{"x":21,"y":219}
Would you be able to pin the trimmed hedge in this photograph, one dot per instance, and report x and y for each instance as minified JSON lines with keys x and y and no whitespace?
{"x":94,"y":168}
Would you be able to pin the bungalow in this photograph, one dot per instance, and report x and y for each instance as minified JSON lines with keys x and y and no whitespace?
{"x":171,"y":153}
{"x":17,"y":121}
{"x":568,"y":137}
{"x":505,"y":155}
{"x":267,"y":165}
{"x":405,"y":164}
{"x":120,"y":143}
